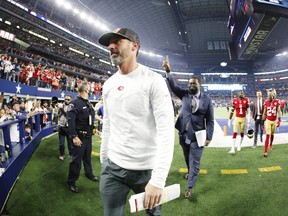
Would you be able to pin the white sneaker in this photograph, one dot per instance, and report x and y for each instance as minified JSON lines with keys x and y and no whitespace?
{"x":239,"y":148}
{"x":232,"y":152}
{"x":61,"y":158}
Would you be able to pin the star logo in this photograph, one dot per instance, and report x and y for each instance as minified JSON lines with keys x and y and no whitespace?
{"x":18,"y":89}
{"x":62,"y":95}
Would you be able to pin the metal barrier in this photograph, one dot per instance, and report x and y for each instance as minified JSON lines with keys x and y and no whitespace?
{"x":19,"y":154}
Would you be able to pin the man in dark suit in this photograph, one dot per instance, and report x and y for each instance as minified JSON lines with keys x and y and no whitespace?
{"x":197,"y":114}
{"x":257,"y":108}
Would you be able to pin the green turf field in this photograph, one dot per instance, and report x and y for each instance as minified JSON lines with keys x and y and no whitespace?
{"x":41,"y":188}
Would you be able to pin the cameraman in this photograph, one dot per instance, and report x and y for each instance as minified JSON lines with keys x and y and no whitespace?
{"x":63,"y":130}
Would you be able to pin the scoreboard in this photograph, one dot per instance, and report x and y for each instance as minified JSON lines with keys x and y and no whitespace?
{"x":283,"y":3}
{"x":251,"y":22}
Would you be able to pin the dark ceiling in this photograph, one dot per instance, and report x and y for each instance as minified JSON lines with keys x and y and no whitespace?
{"x":183,"y":28}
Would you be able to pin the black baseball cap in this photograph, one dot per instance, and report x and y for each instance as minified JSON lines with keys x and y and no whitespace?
{"x":123,"y":32}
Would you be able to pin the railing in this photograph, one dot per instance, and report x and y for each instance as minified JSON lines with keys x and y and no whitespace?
{"x":17,"y":155}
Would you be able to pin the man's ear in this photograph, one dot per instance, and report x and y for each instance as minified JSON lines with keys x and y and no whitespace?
{"x":135,"y":46}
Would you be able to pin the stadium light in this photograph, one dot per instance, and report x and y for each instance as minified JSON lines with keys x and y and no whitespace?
{"x":90,"y":19}
{"x":75,"y":50}
{"x":83,"y":15}
{"x":38,"y":35}
{"x":97,"y":23}
{"x":67,"y":6}
{"x":33,"y":13}
{"x":282,"y":54}
{"x":7,"y":22}
{"x":106,"y":62}
{"x":76,"y":11}
{"x":103,"y":27}
{"x":223,"y":64}
{"x":60,"y":2}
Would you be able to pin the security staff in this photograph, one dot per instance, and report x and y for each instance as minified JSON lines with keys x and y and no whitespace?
{"x":80,"y":120}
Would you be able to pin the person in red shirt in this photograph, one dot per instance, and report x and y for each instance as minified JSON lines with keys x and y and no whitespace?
{"x":23,"y":73}
{"x":241,"y":105}
{"x":271,"y":111}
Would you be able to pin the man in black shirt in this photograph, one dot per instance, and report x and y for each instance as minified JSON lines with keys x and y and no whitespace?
{"x":80,"y":122}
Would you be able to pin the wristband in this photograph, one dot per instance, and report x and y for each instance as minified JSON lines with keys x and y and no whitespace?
{"x":73,"y":136}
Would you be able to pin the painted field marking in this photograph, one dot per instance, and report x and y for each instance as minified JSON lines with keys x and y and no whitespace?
{"x":269,"y":169}
{"x":185,"y":170}
{"x":235,"y":171}
{"x":95,"y":153}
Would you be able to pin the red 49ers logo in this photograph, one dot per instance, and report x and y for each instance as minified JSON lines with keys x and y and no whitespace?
{"x":120,"y":88}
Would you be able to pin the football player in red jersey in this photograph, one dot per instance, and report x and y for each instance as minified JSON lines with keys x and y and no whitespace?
{"x":271,"y":111}
{"x":241,"y":105}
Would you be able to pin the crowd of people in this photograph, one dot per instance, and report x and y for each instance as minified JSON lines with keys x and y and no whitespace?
{"x":41,"y":75}
{"x":21,"y":108}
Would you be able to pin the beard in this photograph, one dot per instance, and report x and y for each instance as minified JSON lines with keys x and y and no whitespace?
{"x":117,"y":60}
{"x":193,"y":90}
{"x":121,"y":55}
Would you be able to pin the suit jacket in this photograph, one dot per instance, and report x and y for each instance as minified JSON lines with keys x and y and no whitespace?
{"x":254,"y":108}
{"x":188,"y":122}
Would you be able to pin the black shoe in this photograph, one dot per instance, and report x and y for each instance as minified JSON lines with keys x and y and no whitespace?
{"x":188,"y":193}
{"x":186,"y":176}
{"x":92,"y":178}
{"x":73,"y":188}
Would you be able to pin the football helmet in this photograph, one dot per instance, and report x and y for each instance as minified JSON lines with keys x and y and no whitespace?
{"x":250,"y":133}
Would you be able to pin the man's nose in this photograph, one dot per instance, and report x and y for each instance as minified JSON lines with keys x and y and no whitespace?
{"x":111,"y":46}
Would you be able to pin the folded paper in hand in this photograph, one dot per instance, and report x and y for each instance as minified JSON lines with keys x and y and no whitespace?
{"x":171,"y":192}
{"x":201,"y":137}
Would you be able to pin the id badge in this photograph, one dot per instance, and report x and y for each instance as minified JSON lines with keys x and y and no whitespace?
{"x":187,"y":141}
{"x":90,"y":120}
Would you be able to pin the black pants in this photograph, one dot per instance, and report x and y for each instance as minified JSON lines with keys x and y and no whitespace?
{"x":79,"y":154}
{"x":64,"y":133}
{"x":259,"y":123}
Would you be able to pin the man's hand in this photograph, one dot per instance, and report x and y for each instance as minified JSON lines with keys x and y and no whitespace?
{"x":207,"y":142}
{"x":152,"y":197}
{"x":77,"y":141}
{"x":278,"y":122}
{"x":166,"y":65}
{"x":248,"y":125}
{"x":229,"y":123}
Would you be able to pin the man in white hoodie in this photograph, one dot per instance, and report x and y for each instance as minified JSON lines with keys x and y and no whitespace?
{"x":138,"y":128}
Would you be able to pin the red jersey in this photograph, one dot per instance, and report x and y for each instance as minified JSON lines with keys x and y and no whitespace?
{"x":240,"y":106}
{"x":271,"y":109}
